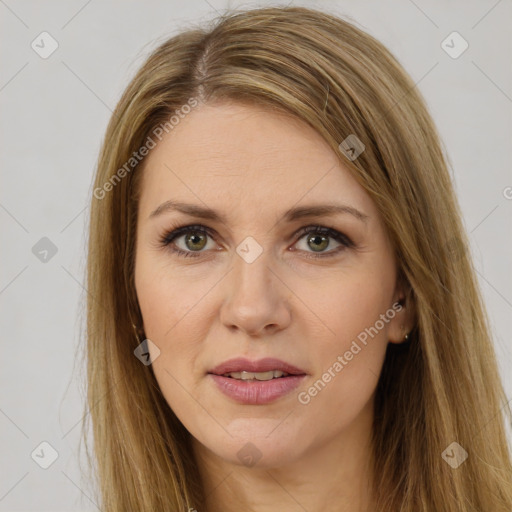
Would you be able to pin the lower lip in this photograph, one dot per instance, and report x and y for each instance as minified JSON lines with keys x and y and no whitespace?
{"x":257,"y":392}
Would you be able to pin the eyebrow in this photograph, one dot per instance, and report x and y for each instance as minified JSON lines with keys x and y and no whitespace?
{"x":295,"y":213}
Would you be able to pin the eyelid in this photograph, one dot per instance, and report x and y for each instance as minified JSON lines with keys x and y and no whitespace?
{"x":326,"y":231}
{"x":175,"y":232}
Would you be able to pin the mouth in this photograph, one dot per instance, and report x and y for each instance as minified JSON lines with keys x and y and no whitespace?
{"x":256,"y":382}
{"x":261,"y":376}
{"x":262,"y":369}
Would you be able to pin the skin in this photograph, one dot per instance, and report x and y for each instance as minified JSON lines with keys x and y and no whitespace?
{"x":201,"y":311}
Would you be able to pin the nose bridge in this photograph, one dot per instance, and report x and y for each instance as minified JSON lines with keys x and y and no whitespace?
{"x":253,"y":265}
{"x":254,"y":299}
{"x":252,"y":274}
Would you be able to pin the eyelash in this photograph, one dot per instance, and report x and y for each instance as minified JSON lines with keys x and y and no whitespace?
{"x":169,"y":236}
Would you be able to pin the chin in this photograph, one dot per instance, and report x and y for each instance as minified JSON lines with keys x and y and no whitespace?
{"x":258,"y":454}
{"x":261,"y":444}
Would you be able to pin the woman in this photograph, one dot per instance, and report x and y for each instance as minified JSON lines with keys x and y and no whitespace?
{"x":273,"y":214}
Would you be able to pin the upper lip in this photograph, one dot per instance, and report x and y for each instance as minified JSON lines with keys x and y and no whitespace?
{"x":261,"y":365}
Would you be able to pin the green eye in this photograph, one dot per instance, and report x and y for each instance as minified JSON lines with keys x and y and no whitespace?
{"x":195,"y":239}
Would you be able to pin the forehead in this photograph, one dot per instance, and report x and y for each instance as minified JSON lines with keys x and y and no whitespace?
{"x":247,"y":156}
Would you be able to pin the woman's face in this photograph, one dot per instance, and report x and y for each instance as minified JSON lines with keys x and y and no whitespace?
{"x":255,"y":285}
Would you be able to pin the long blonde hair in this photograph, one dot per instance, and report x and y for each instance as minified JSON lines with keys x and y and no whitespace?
{"x":443,"y":386}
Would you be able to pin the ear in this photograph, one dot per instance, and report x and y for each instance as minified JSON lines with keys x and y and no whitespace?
{"x":405,"y":313}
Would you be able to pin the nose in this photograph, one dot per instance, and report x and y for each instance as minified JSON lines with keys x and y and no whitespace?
{"x":256,"y":299}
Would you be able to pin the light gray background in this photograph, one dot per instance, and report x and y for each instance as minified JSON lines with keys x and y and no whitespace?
{"x":53,"y":116}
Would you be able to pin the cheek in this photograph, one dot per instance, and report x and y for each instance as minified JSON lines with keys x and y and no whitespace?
{"x":346,"y":306}
{"x":350,"y":351}
{"x":174,"y":322}
{"x":166,"y":297}
{"x":171,"y":321}
{"x":176,"y":318}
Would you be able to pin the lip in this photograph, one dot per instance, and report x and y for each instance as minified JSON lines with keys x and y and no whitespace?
{"x":262,"y":365}
{"x":256,"y":392}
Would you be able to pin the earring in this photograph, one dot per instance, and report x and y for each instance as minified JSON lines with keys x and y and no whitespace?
{"x":406,"y":337}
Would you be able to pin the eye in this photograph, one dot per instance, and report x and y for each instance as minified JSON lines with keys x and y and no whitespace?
{"x":189,"y":241}
{"x":317,"y":239}
{"x":194,"y":240}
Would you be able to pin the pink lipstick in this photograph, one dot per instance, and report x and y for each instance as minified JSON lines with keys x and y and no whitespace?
{"x":256,"y":382}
